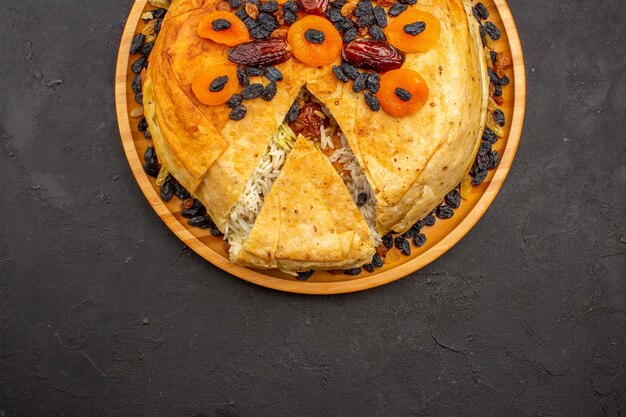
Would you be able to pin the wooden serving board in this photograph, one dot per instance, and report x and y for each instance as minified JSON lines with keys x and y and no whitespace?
{"x":440,"y":237}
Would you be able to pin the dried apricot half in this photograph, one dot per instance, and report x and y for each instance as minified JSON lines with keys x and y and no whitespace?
{"x":315,"y":41}
{"x":223,"y":27}
{"x":216,"y":85}
{"x":414,"y":31}
{"x":402,"y":92}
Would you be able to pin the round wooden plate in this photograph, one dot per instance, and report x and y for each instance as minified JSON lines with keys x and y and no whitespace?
{"x":440,"y":237}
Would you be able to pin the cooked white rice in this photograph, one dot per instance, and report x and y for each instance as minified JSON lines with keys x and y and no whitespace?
{"x":244,"y":214}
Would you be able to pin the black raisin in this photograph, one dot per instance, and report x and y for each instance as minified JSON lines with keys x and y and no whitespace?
{"x":482,"y":160}
{"x":360,"y":83}
{"x":315,"y":36}
{"x":254,"y":71}
{"x":147,"y":48}
{"x":499,"y":118}
{"x":498,"y":91}
{"x":158,"y":25}
{"x":364,"y":13}
{"x":270,"y":91}
{"x":268,"y":21}
{"x":372,"y":102}
{"x":159,"y":13}
{"x":352,"y":271}
{"x":489,"y":135}
{"x":344,"y":25}
{"x":235,"y":4}
{"x":482,"y":11}
{"x":291,"y":7}
{"x":350,"y":35}
{"x":260,"y":32}
{"x":479,"y":177}
{"x":494,"y":158}
{"x":218,"y":84}
{"x":415,"y":28}
{"x":192,"y":212}
{"x":150,"y":156}
{"x":377,"y":261}
{"x":377,"y":33}
{"x":493,"y":77}
{"x":409,"y":233}
{"x":273,"y":74}
{"x":419,"y":240}
{"x":215,"y":231}
{"x":142,"y":125}
{"x":380,"y":16}
{"x":493,"y":31}
{"x":444,"y":212}
{"x":397,"y":9}
{"x":136,"y":85}
{"x":269,"y":6}
{"x":180,"y":191}
{"x":334,"y":15}
{"x":505,"y":81}
{"x":341,"y":76}
{"x":242,"y":76}
{"x":139,"y":64}
{"x":403,"y":245}
{"x":151,"y":169}
{"x":388,"y":240}
{"x":494,"y":57}
{"x":242,"y":14}
{"x":137,"y":43}
{"x":338,"y":4}
{"x":361,"y":199}
{"x":453,"y":199}
{"x":403,"y":94}
{"x":303,"y":276}
{"x":408,"y":2}
{"x":220,"y":24}
{"x":429,"y":220}
{"x":369,"y":267}
{"x":252,"y":91}
{"x":373,"y":83}
{"x":234,"y":101}
{"x":238,"y":112}
{"x":290,"y":18}
{"x":293,"y":112}
{"x":139,"y":97}
{"x":203,"y":222}
{"x":167,"y":191}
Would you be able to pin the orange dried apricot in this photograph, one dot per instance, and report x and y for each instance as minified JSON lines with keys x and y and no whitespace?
{"x":223,"y":27}
{"x":414,"y":31}
{"x":216,"y":85}
{"x":315,"y":41}
{"x":402,"y":92}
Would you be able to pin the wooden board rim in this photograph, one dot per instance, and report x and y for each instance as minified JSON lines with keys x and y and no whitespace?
{"x":359,"y":284}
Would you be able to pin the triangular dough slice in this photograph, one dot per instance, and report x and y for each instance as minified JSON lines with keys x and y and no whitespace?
{"x":308,"y":220}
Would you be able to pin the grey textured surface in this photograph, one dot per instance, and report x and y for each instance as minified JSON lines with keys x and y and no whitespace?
{"x":104,"y":313}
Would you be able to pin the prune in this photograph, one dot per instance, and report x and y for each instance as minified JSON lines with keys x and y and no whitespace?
{"x":136,"y":85}
{"x":493,"y":31}
{"x":377,"y":33}
{"x":315,"y":36}
{"x":429,"y":220}
{"x":341,"y":76}
{"x":372,"y":102}
{"x":317,"y":7}
{"x":388,"y":240}
{"x":352,"y":271}
{"x":167,"y":191}
{"x":489,"y":135}
{"x":380,"y":16}
{"x":444,"y":212}
{"x":397,"y":9}
{"x":270,"y":91}
{"x":453,"y":199}
{"x":218,"y":84}
{"x":303,"y":276}
{"x":139,"y":64}
{"x":403,"y":245}
{"x":238,"y":112}
{"x":499,"y":118}
{"x":360,"y":83}
{"x":137,"y":43}
{"x":220,"y":24}
{"x":260,"y":53}
{"x":269,"y":6}
{"x":375,"y":55}
{"x":402,"y":94}
{"x":415,"y":28}
{"x":419,"y":240}
{"x":234,"y":101}
{"x":273,"y":74}
{"x":252,"y":91}
{"x":377,"y":261}
{"x":373,"y":83}
{"x":350,"y":70}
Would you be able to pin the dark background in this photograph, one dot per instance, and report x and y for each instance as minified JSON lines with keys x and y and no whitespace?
{"x":104,"y":312}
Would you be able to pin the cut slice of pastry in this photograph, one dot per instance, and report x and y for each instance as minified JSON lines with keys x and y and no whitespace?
{"x":308,"y":220}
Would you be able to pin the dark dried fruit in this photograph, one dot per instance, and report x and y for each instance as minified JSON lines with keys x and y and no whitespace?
{"x":268,"y":6}
{"x":377,"y":261}
{"x":352,"y":272}
{"x":252,"y":91}
{"x":290,"y":18}
{"x":479,"y":177}
{"x":403,"y":94}
{"x":263,"y":53}
{"x":372,"y":102}
{"x":268,"y":22}
{"x":291,"y":7}
{"x":364,"y":13}
{"x":494,"y":159}
{"x":409,"y":233}
{"x":375,"y":55}
{"x":344,"y":25}
{"x":361,"y":200}
{"x":234,"y":101}
{"x":203,"y":222}
{"x":308,"y":121}
{"x":293,"y":112}
{"x":493,"y":77}
{"x":238,"y":113}
{"x":369,"y":267}
{"x":408,"y":2}
{"x":377,"y":33}
{"x":481,"y":11}
{"x":388,"y":240}
{"x":142,"y":125}
{"x":373,"y":83}
{"x":167,"y":191}
{"x":139,"y":97}
{"x":350,"y":70}
{"x":499,"y":118}
{"x":159,"y":13}
{"x":341,"y":76}
{"x":180,"y":191}
{"x":317,"y":7}
{"x":397,"y":9}
{"x":334,"y":15}
{"x":493,"y":31}
{"x":260,"y":32}
{"x":158,"y":25}
{"x":429,"y":220}
{"x":498,"y":91}
{"x":139,"y":64}
{"x":415,"y":28}
{"x":235,"y":4}
{"x":444,"y":212}
{"x":273,"y":74}
{"x":453,"y":199}
{"x":315,"y":36}
{"x":147,"y":48}
{"x":303,"y":276}
{"x":270,"y":91}
{"x":338,"y":4}
{"x":350,"y":35}
{"x":218,"y":84}
{"x":242,"y":76}
{"x":489,"y":135}
{"x":254,"y":71}
{"x":380,"y":16}
{"x":137,"y":43}
{"x":403,"y":245}
{"x":360,"y":83}
{"x":136,"y":85}
{"x":220,"y":24}
{"x":505,"y":81}
{"x":419,"y":240}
